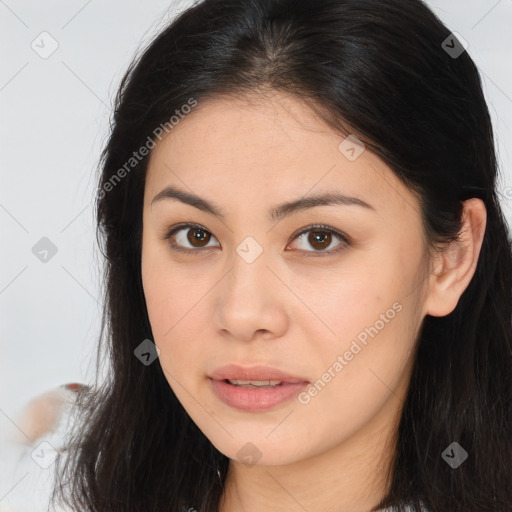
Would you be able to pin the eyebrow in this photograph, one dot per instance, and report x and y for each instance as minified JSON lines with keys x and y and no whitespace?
{"x":276,"y":213}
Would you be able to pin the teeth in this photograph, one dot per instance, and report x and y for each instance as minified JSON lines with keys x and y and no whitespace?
{"x":255,"y":383}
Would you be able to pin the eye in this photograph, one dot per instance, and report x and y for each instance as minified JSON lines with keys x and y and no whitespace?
{"x":320,"y":237}
{"x":198,"y":237}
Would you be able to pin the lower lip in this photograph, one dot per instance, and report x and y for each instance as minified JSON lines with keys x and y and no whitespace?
{"x":252,"y":399}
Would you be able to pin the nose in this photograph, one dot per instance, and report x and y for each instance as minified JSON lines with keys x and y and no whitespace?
{"x":251,"y":299}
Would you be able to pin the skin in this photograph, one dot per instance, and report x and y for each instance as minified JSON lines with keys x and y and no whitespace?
{"x":290,"y":308}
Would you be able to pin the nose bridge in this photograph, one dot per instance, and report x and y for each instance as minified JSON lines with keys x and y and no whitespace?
{"x":249,"y":265}
{"x":250,"y":250}
{"x":245,"y":302}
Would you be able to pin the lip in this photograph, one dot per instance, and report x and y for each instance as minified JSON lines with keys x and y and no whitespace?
{"x":253,"y":399}
{"x":234,"y":371}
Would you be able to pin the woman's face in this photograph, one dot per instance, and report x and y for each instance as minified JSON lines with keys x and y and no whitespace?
{"x":340,"y":312}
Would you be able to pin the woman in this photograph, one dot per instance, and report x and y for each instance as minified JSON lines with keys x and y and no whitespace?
{"x":308,"y":300}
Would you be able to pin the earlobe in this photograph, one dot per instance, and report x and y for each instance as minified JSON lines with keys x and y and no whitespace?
{"x":455,"y":266}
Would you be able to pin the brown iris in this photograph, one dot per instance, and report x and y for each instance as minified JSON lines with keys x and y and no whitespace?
{"x":320,"y":239}
{"x":199,"y":235}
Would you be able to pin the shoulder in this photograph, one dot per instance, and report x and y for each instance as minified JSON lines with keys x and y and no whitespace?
{"x":28,"y":455}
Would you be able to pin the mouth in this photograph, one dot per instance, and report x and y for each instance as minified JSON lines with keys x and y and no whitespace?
{"x":254,"y":375}
{"x":254,"y":396}
{"x":254,"y":388}
{"x":255,"y":384}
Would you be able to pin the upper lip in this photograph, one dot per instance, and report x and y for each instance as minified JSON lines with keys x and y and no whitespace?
{"x":237,"y":372}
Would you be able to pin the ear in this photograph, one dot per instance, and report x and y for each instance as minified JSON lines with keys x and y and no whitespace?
{"x":454,"y":268}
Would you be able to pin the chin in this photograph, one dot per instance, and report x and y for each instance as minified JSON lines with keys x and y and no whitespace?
{"x":258,"y":452}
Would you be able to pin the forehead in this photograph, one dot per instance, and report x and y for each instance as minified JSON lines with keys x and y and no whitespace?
{"x":249,"y":148}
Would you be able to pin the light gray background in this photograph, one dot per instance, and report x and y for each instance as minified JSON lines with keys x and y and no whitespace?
{"x":54,"y":120}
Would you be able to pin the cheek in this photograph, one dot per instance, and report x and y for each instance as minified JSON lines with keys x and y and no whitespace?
{"x":171,"y":316}
{"x":356,"y":376}
{"x":168,"y":294}
{"x":176,"y":311}
{"x":370,"y":335}
{"x":344,"y":302}
{"x":369,"y":326}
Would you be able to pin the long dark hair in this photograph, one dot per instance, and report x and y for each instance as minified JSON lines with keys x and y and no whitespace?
{"x":391,"y":72}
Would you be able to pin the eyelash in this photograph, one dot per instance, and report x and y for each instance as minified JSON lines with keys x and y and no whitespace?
{"x":316,"y":227}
